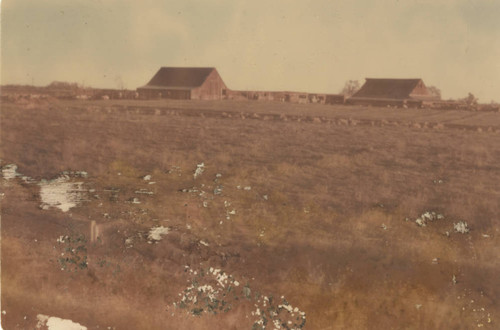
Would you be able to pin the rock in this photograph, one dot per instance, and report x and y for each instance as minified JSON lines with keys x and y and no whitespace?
{"x":200,"y":168}
{"x":461,"y":227}
{"x":428,"y":217}
{"x":218,"y":190}
{"x":144,"y":191}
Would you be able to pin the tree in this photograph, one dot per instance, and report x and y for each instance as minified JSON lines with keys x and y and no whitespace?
{"x":434,"y":91}
{"x":350,"y":87}
{"x":470,"y":100}
{"x":63,"y":85}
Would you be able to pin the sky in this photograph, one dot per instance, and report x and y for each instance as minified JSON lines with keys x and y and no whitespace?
{"x":310,"y":46}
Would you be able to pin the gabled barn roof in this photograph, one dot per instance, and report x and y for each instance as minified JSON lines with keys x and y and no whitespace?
{"x":387,"y":88}
{"x":175,"y":77}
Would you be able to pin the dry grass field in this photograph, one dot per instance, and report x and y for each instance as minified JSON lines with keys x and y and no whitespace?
{"x":299,"y":216}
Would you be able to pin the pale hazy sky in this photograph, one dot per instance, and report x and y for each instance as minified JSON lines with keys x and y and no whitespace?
{"x":312,"y":46}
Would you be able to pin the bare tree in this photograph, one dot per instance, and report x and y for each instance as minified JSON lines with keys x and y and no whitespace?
{"x":350,"y":87}
{"x":434,"y":91}
{"x":471,"y":100}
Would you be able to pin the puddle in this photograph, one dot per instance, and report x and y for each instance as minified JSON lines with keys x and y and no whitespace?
{"x":56,"y":323}
{"x":61,"y":193}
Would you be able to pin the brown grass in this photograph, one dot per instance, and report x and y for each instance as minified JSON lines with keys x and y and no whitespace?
{"x":332,"y":180}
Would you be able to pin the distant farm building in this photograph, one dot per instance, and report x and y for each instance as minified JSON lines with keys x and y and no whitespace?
{"x":335,"y":99}
{"x":286,"y":96}
{"x":397,"y":92}
{"x":206,"y":84}
{"x":185,"y":83}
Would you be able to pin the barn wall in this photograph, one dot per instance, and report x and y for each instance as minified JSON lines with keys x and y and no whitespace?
{"x":212,"y":89}
{"x":375,"y":102}
{"x":176,"y":94}
{"x":145,"y":93}
{"x":420,"y":90}
{"x":148,"y":93}
{"x":334,"y":99}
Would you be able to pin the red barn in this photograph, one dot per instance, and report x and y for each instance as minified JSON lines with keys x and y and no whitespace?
{"x":185,"y":83}
{"x":392,"y":92}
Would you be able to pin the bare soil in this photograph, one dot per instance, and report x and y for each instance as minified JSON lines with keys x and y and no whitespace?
{"x":327,"y":220}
